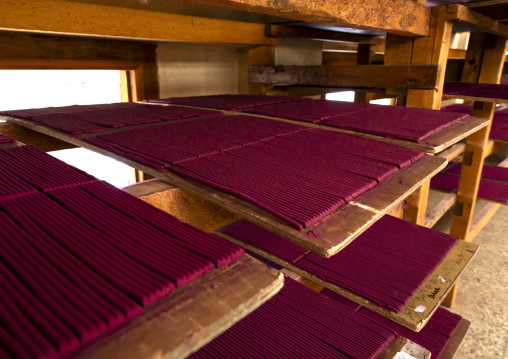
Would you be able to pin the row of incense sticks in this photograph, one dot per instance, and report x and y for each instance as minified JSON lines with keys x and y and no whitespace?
{"x":386,"y":264}
{"x":476,"y":90}
{"x":93,"y":118}
{"x":410,"y":124}
{"x":301,"y":323}
{"x":493,"y":183}
{"x":81,"y":259}
{"x":299,"y":174}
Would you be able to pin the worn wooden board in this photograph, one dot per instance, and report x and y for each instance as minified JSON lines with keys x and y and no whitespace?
{"x":398,"y":76}
{"x":423,"y":304}
{"x":29,"y":137}
{"x":192,"y":315}
{"x":327,"y":236}
{"x":404,"y":17}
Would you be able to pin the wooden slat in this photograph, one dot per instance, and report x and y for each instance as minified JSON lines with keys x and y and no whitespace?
{"x":457,"y":12}
{"x":192,"y":315}
{"x":76,"y":18}
{"x":327,"y":236}
{"x":30,"y":137}
{"x":453,"y":152}
{"x":322,"y":35}
{"x":449,"y":271}
{"x":439,"y":211}
{"x":402,"y":76}
{"x":182,"y":204}
{"x":396,"y":16}
{"x":474,"y":98}
{"x":456,"y":340}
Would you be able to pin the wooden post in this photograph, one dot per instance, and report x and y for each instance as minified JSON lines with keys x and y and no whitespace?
{"x":492,"y":61}
{"x":429,"y":50}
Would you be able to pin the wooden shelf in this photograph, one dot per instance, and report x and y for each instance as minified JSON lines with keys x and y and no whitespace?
{"x":460,"y":13}
{"x":326,"y":237}
{"x":192,"y":315}
{"x":406,"y":346}
{"x":449,"y":271}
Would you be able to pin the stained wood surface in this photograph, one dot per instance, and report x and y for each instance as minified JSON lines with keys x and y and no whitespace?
{"x":398,"y":16}
{"x":184,"y":205}
{"x":113,"y":22}
{"x":326,"y":237}
{"x":460,"y":13}
{"x":192,"y":315}
{"x":441,"y":281}
{"x":403,"y":76}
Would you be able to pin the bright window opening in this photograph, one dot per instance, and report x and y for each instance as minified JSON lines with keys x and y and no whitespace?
{"x":23,"y":89}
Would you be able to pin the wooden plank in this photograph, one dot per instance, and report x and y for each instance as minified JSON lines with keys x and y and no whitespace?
{"x":321,"y":35}
{"x":439,"y":211}
{"x":460,"y":13}
{"x":400,"y":76}
{"x":29,"y":137}
{"x":305,"y":91}
{"x":395,"y":16}
{"x":184,"y":205}
{"x":192,"y":315}
{"x":492,"y":146}
{"x":423,"y":304}
{"x":327,"y":236}
{"x":453,"y":152}
{"x":79,"y":19}
{"x":456,"y":340}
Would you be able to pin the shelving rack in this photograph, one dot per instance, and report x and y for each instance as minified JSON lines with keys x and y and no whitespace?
{"x":111,"y":34}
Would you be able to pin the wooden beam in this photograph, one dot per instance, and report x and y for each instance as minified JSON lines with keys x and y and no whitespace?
{"x":184,"y":205}
{"x":439,"y":211}
{"x":460,"y":13}
{"x":80,"y":19}
{"x":403,"y":17}
{"x":57,"y":64}
{"x":38,"y":46}
{"x":322,"y":35}
{"x":403,"y":76}
{"x":30,"y":137}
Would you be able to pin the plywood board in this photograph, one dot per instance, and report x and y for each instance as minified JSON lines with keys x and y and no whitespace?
{"x":423,"y":304}
{"x":192,"y":315}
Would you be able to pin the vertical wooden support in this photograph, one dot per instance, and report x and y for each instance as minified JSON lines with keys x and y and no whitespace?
{"x":261,"y":56}
{"x":363,"y":57}
{"x":492,"y":61}
{"x":429,"y":50}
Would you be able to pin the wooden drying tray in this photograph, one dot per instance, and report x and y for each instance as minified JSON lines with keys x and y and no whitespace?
{"x":423,"y":304}
{"x":456,"y":340}
{"x":326,"y":237}
{"x":433,"y":144}
{"x":192,"y":315}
